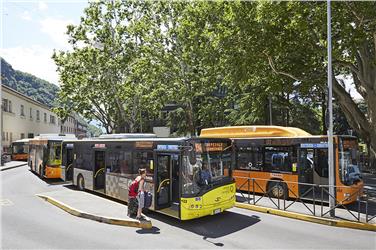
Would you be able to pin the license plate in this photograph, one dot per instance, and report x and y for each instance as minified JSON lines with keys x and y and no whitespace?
{"x":217,"y":211}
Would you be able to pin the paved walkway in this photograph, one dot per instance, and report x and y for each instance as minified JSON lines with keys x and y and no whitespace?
{"x":13,"y":164}
{"x":94,"y":207}
{"x":307,"y":208}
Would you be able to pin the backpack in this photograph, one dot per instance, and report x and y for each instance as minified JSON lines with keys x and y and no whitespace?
{"x":133,"y":189}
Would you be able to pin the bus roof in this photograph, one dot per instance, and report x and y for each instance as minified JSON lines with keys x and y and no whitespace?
{"x":96,"y":139}
{"x":22,"y":140}
{"x":126,"y":135}
{"x":53,"y":137}
{"x":253,"y":132}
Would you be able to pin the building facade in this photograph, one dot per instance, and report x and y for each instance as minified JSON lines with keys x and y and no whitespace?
{"x":72,"y":125}
{"x":23,"y":117}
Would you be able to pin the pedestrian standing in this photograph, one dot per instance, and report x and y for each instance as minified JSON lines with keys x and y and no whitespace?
{"x":141,"y":192}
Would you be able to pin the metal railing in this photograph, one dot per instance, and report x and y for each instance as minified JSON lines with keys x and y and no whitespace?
{"x":363,"y":209}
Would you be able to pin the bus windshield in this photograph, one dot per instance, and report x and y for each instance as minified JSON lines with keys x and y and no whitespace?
{"x":348,"y":161}
{"x":54,"y":156}
{"x":20,"y":148}
{"x":206,"y":166}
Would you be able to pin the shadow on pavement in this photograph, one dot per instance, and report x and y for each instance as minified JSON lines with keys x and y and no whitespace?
{"x":153,"y":230}
{"x":214,"y":226}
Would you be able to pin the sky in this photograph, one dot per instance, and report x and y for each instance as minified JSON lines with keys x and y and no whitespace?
{"x":32,"y":29}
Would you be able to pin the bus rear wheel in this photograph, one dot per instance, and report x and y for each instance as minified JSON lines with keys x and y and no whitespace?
{"x":278,"y":190}
{"x":81,"y":183}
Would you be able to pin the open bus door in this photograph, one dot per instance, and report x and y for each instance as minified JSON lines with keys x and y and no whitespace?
{"x":167,"y":183}
{"x":99,"y":170}
{"x":313,"y":169}
{"x":67,"y":162}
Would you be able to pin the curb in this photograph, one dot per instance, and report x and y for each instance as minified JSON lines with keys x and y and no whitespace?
{"x":113,"y":221}
{"x":309,"y":218}
{"x":6,"y":168}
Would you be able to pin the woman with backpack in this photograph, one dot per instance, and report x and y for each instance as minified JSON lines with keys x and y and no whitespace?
{"x":136,"y":191}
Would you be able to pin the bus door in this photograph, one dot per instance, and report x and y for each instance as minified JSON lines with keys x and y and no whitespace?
{"x":67,"y":162}
{"x":305,"y":172}
{"x":99,"y":170}
{"x":313,"y":169}
{"x":167,"y":181}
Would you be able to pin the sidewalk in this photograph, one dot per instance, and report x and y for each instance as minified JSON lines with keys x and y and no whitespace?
{"x":307,"y":211}
{"x":13,"y":164}
{"x":94,"y":207}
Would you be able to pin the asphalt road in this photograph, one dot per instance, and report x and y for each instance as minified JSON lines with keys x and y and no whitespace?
{"x":30,"y":222}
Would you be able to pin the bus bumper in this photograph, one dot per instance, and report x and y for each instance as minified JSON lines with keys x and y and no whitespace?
{"x":211,"y":203}
{"x":53,"y":172}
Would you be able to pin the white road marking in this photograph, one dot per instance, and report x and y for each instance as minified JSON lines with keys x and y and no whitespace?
{"x":6,"y":202}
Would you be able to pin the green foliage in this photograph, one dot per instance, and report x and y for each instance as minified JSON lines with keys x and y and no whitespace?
{"x":218,"y":62}
{"x":94,"y":130}
{"x":29,"y":85}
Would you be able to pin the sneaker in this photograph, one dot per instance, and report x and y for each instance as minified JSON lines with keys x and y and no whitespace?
{"x":141,"y":218}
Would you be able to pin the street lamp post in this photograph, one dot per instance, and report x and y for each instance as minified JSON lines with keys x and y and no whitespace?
{"x":330,"y":129}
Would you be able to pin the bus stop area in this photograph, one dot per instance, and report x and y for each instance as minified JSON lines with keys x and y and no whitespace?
{"x":360,"y":214}
{"x":94,"y":207}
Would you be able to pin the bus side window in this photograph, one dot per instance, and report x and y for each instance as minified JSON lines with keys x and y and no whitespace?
{"x":250,"y":159}
{"x":278,"y":159}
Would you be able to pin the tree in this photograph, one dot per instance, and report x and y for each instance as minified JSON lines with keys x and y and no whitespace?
{"x":102,"y":77}
{"x":290,"y":39}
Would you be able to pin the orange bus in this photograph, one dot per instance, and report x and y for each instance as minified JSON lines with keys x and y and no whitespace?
{"x":289,"y":162}
{"x":45,"y":154}
{"x":20,"y":150}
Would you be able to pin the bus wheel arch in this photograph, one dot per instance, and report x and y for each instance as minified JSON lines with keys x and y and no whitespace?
{"x":277,"y":188}
{"x":80,"y":182}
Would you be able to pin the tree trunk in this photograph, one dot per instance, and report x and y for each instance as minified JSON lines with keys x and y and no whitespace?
{"x":357,"y":120}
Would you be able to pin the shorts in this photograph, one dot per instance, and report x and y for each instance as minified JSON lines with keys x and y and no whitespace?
{"x":141,"y":199}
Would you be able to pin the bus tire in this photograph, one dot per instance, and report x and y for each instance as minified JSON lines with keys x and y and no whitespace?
{"x":80,"y":182}
{"x":277,"y":190}
{"x":41,"y":171}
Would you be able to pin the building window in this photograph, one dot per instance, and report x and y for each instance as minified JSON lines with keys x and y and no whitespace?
{"x":10,"y":136}
{"x":22,"y":110}
{"x":31,"y":113}
{"x":45,"y":117}
{"x":30,"y":135}
{"x":6,"y":136}
{"x":38,"y":116}
{"x":3,"y":136}
{"x":52,"y":119}
{"x":22,"y":135}
{"x":7,"y":105}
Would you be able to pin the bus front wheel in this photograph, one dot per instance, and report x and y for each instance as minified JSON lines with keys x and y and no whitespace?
{"x":81,"y":183}
{"x":278,"y":190}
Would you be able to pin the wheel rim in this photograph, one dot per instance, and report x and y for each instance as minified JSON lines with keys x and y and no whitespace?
{"x":277,"y":191}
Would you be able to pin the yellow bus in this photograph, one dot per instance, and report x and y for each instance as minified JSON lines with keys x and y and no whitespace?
{"x":20,"y":150}
{"x":173,"y":165}
{"x":45,"y":154}
{"x":289,"y":162}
